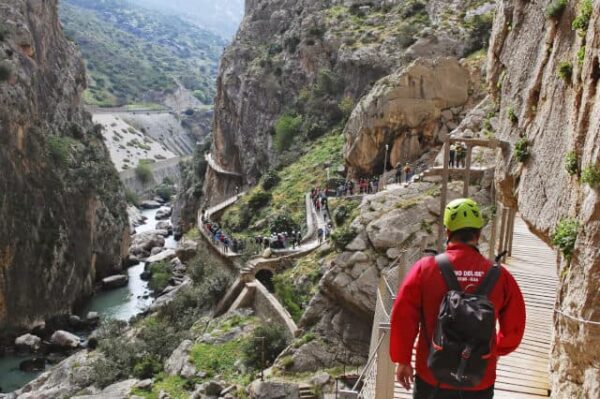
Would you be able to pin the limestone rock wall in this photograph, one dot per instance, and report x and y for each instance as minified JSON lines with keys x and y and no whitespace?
{"x":557,"y":115}
{"x":61,"y":204}
{"x":404,"y":112}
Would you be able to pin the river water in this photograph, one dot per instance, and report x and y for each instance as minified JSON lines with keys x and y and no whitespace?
{"x":121,"y":303}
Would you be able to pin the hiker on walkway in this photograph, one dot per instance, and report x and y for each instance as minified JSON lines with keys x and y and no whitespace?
{"x":407,"y":172}
{"x":452,"y":156}
{"x":461,"y":155}
{"x":465,"y":346}
{"x":399,"y":173}
{"x":320,"y":233}
{"x":299,"y":238}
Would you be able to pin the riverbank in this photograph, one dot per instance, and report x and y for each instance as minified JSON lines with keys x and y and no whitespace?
{"x":120,"y":303}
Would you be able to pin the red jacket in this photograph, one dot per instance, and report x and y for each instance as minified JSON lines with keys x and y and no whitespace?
{"x":422,"y":292}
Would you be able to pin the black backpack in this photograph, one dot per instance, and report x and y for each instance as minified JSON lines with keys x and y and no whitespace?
{"x":465,"y":329}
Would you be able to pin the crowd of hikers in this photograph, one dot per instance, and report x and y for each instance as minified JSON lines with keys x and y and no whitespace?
{"x":222,"y":240}
{"x":362,"y":186}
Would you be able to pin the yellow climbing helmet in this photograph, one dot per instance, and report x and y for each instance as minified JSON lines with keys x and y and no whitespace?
{"x":463,"y":213}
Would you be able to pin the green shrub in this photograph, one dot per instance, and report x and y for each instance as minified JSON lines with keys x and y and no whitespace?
{"x":340,"y":214}
{"x":571,"y":163}
{"x":346,"y":106}
{"x":480,"y":30}
{"x":407,"y":34}
{"x":148,"y":367}
{"x":161,"y":274}
{"x":259,"y":200}
{"x":282,"y":222}
{"x":341,"y":237}
{"x":565,"y":70}
{"x":512,"y":116}
{"x":565,"y":235}
{"x":275,"y":341}
{"x":328,"y":83}
{"x":522,"y":149}
{"x":582,"y":21}
{"x":591,"y":176}
{"x":165,"y":191}
{"x":555,"y":8}
{"x":60,"y":149}
{"x":270,"y":180}
{"x":287,"y":128}
{"x":132,"y":197}
{"x":290,"y":296}
{"x":581,"y":55}
{"x":143,"y":171}
{"x":411,"y":8}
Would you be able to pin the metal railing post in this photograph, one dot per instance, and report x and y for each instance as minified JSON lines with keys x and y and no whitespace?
{"x":384,"y":384}
{"x":444,"y":196}
{"x":467,"y":172}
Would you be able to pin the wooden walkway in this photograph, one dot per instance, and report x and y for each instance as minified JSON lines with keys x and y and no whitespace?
{"x":524,"y":374}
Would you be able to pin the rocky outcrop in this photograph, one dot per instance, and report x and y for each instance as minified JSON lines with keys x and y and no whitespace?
{"x":341,"y":313}
{"x":63,"y":212}
{"x":283,"y":50}
{"x":544,"y":76}
{"x":62,"y":381}
{"x":408,"y":111}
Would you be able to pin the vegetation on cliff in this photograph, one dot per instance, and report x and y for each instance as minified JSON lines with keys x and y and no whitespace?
{"x":134,"y":55}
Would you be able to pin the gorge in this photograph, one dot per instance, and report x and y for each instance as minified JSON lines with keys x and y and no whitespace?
{"x":319,"y":108}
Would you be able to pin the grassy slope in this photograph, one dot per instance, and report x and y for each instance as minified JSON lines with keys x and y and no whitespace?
{"x":130,"y":52}
{"x":296,"y":180}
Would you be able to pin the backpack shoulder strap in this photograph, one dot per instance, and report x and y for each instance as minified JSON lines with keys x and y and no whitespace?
{"x":443,"y":262}
{"x":489,"y":280}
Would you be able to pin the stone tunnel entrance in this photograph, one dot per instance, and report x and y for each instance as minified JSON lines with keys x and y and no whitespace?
{"x":266,"y":278}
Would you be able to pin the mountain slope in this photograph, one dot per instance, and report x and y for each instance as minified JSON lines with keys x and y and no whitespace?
{"x":221,"y":16}
{"x":137,"y":55}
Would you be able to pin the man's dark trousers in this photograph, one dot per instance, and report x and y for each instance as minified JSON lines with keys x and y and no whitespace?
{"x":424,"y":391}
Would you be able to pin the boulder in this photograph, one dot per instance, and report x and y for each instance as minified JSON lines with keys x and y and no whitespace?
{"x":92,"y":317}
{"x":65,"y":340}
{"x":144,"y":385}
{"x":28,"y":342}
{"x":210,"y":388}
{"x":119,"y":390}
{"x":403,"y":111}
{"x":166,"y":255}
{"x":163,"y":213}
{"x":274,"y":390}
{"x":143,"y":243}
{"x":149,"y":204}
{"x":135,"y":216}
{"x":186,"y":250}
{"x":76,"y":322}
{"x":116,"y":281}
{"x":164,"y":225}
{"x":179,"y":359}
{"x":156,"y":250}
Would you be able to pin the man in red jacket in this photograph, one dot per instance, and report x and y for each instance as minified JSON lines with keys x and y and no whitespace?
{"x":421,"y":294}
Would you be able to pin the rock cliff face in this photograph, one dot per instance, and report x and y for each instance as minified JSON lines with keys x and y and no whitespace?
{"x":283,"y":47}
{"x":63,"y":215}
{"x":404,"y":111}
{"x":544,"y":77}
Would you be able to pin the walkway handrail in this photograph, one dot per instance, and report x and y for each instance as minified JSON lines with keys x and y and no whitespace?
{"x":369,"y":364}
{"x":217,"y":168}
